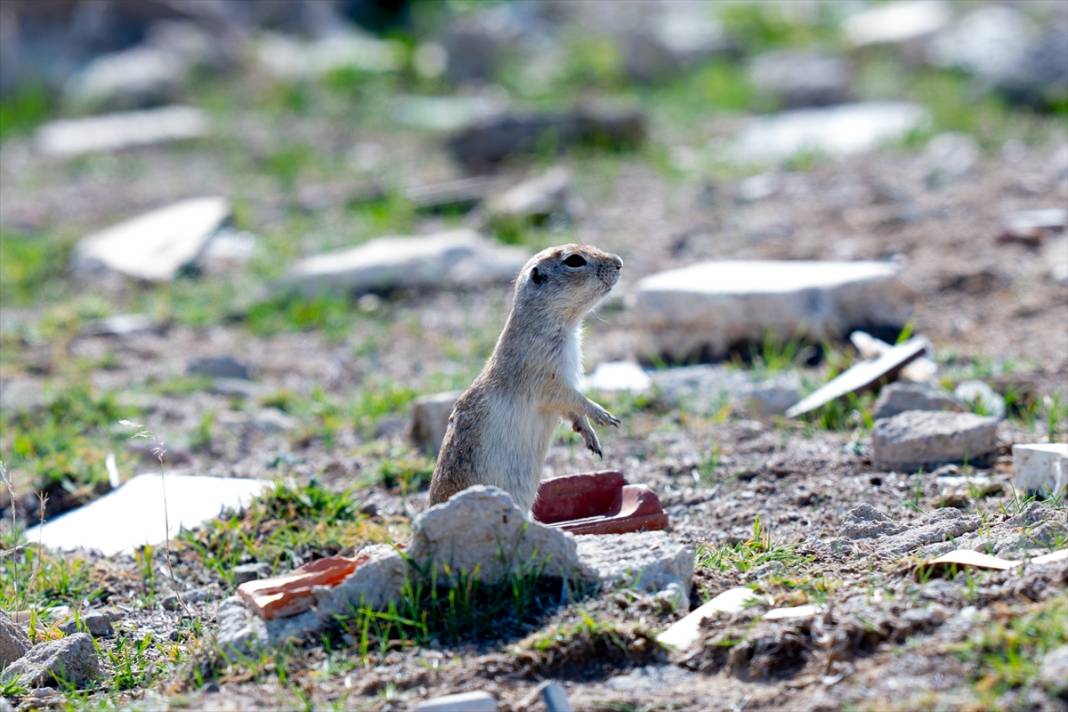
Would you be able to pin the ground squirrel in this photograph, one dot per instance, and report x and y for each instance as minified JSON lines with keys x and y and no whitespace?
{"x":501,"y":425}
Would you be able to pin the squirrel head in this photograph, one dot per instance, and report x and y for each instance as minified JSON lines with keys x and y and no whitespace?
{"x":567,"y":280}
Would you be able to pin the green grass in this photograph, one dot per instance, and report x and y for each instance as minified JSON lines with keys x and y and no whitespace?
{"x":36,"y":579}
{"x":285,"y":527}
{"x":24,"y":110}
{"x":745,"y":556}
{"x":1007,"y":653}
{"x":64,"y":445}
{"x":28,"y":263}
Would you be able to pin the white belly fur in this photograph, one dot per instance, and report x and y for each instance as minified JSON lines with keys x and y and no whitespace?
{"x":512,"y":447}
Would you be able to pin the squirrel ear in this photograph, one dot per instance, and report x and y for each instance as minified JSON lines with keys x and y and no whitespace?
{"x":537,"y":276}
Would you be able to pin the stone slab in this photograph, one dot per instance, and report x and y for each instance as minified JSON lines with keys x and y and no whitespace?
{"x":898,"y":397}
{"x":430,"y":419}
{"x":153,"y":247}
{"x":132,"y":516}
{"x":705,"y":309}
{"x":917,"y":439}
{"x":458,"y":258}
{"x":840,"y":130}
{"x":65,"y":138}
{"x":1041,"y":468}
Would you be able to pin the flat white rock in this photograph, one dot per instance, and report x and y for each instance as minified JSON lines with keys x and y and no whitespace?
{"x":705,"y":308}
{"x":111,"y":132}
{"x":290,"y":59}
{"x":1041,"y":468}
{"x":684,"y":633}
{"x":133,"y":515}
{"x":455,"y":258}
{"x":896,"y":22}
{"x":154,"y":246}
{"x":462,"y":702}
{"x":836,"y":131}
{"x":616,"y":376}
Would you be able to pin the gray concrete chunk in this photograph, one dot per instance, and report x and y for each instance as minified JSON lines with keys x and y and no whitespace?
{"x":72,"y":660}
{"x":916,"y":439}
{"x":899,"y":397}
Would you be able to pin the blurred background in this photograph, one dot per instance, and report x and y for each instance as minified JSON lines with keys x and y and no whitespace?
{"x":931,"y":134}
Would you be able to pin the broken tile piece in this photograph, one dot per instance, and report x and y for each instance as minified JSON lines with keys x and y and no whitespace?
{"x":976,"y":559}
{"x":287,"y":595}
{"x":862,"y":376}
{"x":598,"y":503}
{"x":1051,"y":558}
{"x":132,"y":515}
{"x":685,"y":632}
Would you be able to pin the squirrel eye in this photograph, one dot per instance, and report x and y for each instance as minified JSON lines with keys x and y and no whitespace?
{"x":575,"y":261}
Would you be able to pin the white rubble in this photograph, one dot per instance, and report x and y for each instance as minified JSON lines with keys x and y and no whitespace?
{"x":839,"y":130}
{"x":617,"y":376}
{"x":904,"y":21}
{"x":153,"y":247}
{"x":462,"y":702}
{"x":920,"y":370}
{"x":140,"y":74}
{"x":980,"y":394}
{"x":916,"y":439}
{"x":898,"y":397}
{"x":646,"y":561}
{"x":450,"y":259}
{"x":133,"y":515}
{"x":704,"y":309}
{"x":13,"y":641}
{"x":707,"y":388}
{"x":290,"y":59}
{"x":73,"y":657}
{"x":685,"y":632}
{"x":539,"y":198}
{"x":430,"y":418}
{"x":1041,"y":468}
{"x":110,"y":132}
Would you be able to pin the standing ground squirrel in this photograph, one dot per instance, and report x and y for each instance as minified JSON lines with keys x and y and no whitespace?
{"x":501,"y":425}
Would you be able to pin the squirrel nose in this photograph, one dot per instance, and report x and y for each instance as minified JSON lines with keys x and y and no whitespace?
{"x":617,"y":262}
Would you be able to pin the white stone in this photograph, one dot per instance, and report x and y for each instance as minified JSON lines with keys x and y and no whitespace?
{"x":1057,"y":259}
{"x":133,"y":515}
{"x":685,"y":632}
{"x":707,"y":388}
{"x":916,"y":439}
{"x":836,"y":131}
{"x":706,"y":308}
{"x":616,"y":376}
{"x":430,"y":419}
{"x":290,"y":59}
{"x":1041,"y":468}
{"x":463,"y":702}
{"x":644,"y":561}
{"x":896,"y":22}
{"x":456,"y":258}
{"x":537,"y":198}
{"x":979,"y":393}
{"x":111,"y":132}
{"x":443,"y":113}
{"x":554,"y":697}
{"x":898,"y":397}
{"x":482,"y":528}
{"x":154,"y":246}
{"x":139,"y":74}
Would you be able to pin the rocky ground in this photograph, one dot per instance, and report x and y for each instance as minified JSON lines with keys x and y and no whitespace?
{"x":240,"y":377}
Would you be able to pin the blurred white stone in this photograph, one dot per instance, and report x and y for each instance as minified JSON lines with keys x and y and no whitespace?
{"x":917,"y":439}
{"x":134,"y":76}
{"x":977,"y":392}
{"x":133,"y":515}
{"x":462,"y":702}
{"x":799,"y":78}
{"x":1041,"y":468}
{"x":154,"y":246}
{"x":1057,"y":258}
{"x":443,"y":113}
{"x":836,"y":131}
{"x":451,"y":259}
{"x":111,"y":132}
{"x":618,"y":376}
{"x":704,"y":309}
{"x":922,"y":370}
{"x":671,"y":41}
{"x":290,"y":59}
{"x":538,"y":198}
{"x":896,"y":22}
